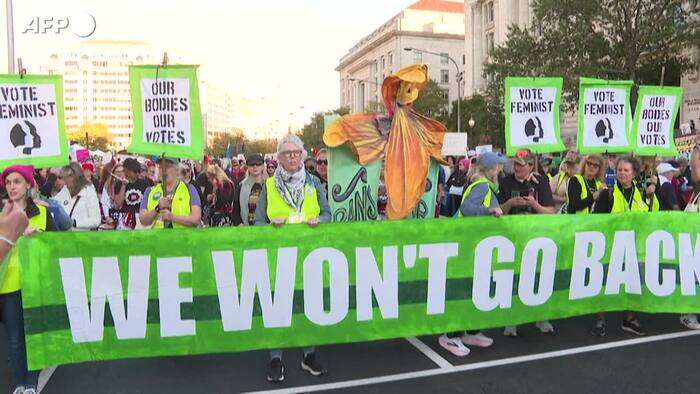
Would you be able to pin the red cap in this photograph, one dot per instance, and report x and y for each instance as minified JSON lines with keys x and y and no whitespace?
{"x":88,"y":166}
{"x":27,"y":173}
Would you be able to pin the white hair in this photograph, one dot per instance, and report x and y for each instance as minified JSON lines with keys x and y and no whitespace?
{"x":290,"y":139}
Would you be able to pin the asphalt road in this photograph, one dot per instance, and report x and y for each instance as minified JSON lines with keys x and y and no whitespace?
{"x":571,"y":361}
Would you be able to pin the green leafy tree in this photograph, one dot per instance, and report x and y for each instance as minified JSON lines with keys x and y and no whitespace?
{"x":432,"y":102}
{"x":94,"y":136}
{"x":487,"y":129}
{"x":375,"y":106}
{"x":312,"y":133}
{"x":609,"y":39}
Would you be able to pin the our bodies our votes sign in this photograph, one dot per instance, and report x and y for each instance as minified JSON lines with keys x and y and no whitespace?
{"x":166,"y":110}
{"x":654,"y":118}
{"x":604,"y":116}
{"x":532,"y":114}
{"x":32,"y":129}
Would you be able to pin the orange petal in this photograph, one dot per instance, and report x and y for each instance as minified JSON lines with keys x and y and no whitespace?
{"x":361,"y":133}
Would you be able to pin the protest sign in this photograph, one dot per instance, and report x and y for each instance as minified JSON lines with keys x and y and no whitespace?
{"x":604,"y":116}
{"x":166,"y":111}
{"x":111,"y":295}
{"x":532,"y":114}
{"x":455,"y":144}
{"x":654,"y":119}
{"x":31,"y":121}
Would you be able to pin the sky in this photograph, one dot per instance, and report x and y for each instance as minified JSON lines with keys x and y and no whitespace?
{"x":287,"y":49}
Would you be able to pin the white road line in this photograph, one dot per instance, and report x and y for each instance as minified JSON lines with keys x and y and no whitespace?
{"x":44,"y":377}
{"x":481,"y":365}
{"x":428,"y":352}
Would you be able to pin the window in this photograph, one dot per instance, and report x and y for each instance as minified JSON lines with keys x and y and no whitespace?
{"x":444,"y":76}
{"x":417,"y":57}
{"x":391,"y":58}
{"x":445,"y":94}
{"x":383,"y":63}
{"x":489,"y":43}
{"x":489,"y":12}
{"x":444,"y":58}
{"x":464,"y":59}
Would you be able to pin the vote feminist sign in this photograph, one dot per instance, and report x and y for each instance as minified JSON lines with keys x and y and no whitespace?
{"x":532,"y":114}
{"x":654,"y":118}
{"x":167,"y":118}
{"x":31,"y":121}
{"x":604,"y":116}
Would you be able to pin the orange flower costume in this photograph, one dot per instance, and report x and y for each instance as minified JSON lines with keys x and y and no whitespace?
{"x":407,"y":148}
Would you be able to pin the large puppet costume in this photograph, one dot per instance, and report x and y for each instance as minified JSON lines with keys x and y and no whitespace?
{"x":405,"y":139}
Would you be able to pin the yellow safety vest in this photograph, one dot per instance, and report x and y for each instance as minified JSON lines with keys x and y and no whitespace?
{"x":11,"y":282}
{"x":621,"y":205}
{"x":584,"y":191}
{"x":487,"y":197}
{"x":180,"y":205}
{"x":277,"y":208}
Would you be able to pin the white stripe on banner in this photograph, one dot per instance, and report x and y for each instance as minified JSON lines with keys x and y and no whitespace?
{"x":481,"y":365}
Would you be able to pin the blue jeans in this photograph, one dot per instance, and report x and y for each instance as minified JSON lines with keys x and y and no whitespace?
{"x":13,"y":319}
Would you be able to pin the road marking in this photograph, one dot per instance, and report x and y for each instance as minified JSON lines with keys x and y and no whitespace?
{"x":428,"y":352}
{"x":44,"y":377}
{"x":480,"y":365}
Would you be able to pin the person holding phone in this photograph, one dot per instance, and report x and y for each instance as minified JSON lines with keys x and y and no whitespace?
{"x":525,"y":192}
{"x":18,"y":180}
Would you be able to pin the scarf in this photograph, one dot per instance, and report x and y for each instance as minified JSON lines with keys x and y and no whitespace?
{"x":291,"y":186}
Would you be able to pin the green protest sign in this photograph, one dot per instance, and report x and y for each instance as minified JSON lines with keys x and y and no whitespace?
{"x":112,"y":295}
{"x":604,"y":116}
{"x":32,"y":121}
{"x":532,"y":114}
{"x":166,"y":111}
{"x":654,"y":119}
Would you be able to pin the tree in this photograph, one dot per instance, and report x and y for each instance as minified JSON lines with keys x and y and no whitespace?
{"x":433,"y":102}
{"x":94,"y":136}
{"x":312,"y":133}
{"x":487,"y":121}
{"x":240,"y":144}
{"x":609,"y":39}
{"x":375,"y":106}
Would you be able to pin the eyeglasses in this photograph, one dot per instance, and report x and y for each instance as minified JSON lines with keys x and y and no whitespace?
{"x":255,"y":165}
{"x":596,"y":165}
{"x":291,"y":153}
{"x":322,"y":162}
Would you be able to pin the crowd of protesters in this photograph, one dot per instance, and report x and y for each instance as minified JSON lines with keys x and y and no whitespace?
{"x":290,"y":186}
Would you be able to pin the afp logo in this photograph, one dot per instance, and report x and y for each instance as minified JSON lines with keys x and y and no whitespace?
{"x":81,"y":25}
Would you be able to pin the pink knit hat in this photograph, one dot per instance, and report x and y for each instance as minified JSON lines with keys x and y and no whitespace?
{"x":27,"y":173}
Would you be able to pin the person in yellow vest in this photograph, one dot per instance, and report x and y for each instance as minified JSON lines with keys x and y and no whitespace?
{"x":18,"y":180}
{"x":560,"y":182}
{"x":290,"y":196}
{"x":584,"y":188}
{"x":480,"y":199}
{"x":625,"y":196}
{"x":173,"y":203}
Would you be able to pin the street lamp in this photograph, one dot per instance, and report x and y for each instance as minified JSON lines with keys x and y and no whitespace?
{"x":458,"y":77}
{"x":471,"y":121}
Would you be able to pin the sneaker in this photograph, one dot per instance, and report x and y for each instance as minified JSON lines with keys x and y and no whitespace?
{"x":511,"y":331}
{"x":598,"y":329}
{"x":275,"y":371}
{"x":478,"y":340}
{"x":30,"y":390}
{"x":690,"y":321}
{"x":18,"y":390}
{"x":453,"y":345}
{"x":545,"y":327}
{"x":633,"y":327}
{"x":312,"y":366}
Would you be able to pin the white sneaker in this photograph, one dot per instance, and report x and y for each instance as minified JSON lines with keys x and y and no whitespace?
{"x":30,"y":391}
{"x":453,"y":345}
{"x":478,"y":339}
{"x":690,"y":321}
{"x":545,"y":327}
{"x":18,"y":390}
{"x":511,"y":331}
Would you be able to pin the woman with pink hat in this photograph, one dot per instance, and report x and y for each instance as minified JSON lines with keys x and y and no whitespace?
{"x":18,"y":180}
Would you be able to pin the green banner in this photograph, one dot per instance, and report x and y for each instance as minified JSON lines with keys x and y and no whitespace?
{"x":113,"y":295}
{"x":654,"y":120}
{"x":32,"y":121}
{"x":532,"y":114}
{"x":604,"y":116}
{"x":166,"y":111}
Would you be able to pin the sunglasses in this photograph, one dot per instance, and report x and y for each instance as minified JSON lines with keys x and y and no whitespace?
{"x":322,"y":162}
{"x":291,"y":153}
{"x":596,"y":165}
